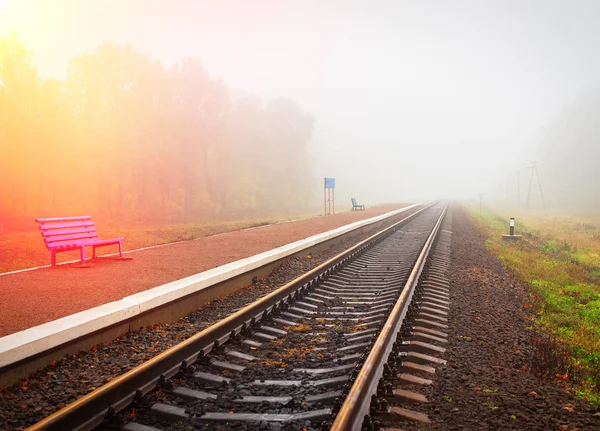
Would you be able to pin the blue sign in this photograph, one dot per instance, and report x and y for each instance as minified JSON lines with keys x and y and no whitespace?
{"x":330,"y":183}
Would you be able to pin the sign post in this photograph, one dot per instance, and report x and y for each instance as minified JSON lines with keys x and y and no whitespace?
{"x":329,"y":195}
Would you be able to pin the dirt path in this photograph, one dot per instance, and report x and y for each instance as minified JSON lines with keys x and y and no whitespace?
{"x":487,"y":383}
{"x":35,"y":297}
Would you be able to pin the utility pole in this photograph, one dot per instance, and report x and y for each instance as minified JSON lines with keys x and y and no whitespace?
{"x":534,"y":170}
{"x":518,"y":188}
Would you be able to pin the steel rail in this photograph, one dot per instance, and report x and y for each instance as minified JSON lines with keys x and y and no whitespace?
{"x":357,"y":404}
{"x":90,"y":410}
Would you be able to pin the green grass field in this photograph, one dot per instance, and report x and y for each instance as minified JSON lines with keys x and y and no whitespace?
{"x":559,"y":258}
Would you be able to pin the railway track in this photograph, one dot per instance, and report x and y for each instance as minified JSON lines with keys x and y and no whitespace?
{"x":311,"y":354}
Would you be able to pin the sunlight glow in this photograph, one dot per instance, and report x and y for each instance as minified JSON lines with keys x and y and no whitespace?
{"x":4,"y":5}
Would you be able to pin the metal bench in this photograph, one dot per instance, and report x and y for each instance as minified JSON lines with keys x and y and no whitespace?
{"x":356,"y":206}
{"x":73,"y":233}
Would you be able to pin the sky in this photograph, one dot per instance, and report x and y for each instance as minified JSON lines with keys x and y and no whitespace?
{"x":412,"y":99}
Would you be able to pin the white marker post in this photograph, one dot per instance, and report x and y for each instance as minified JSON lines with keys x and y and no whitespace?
{"x":511,"y":235}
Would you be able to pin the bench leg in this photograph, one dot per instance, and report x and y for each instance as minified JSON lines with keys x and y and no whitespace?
{"x":93,"y":252}
{"x":52,"y":258}
{"x":120,"y":249}
{"x":82,"y":254}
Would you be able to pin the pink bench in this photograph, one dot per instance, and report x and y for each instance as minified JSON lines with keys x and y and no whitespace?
{"x":73,"y":233}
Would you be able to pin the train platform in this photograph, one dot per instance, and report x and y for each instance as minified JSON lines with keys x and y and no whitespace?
{"x":34,"y":297}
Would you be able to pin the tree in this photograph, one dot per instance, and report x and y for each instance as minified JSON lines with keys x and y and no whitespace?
{"x":125,"y":137}
{"x":19,"y":87}
{"x":201,"y":105}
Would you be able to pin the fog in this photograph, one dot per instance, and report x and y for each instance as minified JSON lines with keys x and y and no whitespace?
{"x":410,"y":100}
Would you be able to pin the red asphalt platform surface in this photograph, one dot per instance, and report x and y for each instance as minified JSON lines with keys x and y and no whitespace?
{"x":34,"y":297}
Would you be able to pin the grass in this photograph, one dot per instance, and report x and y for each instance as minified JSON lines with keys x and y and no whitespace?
{"x":559,"y":258}
{"x":20,"y":250}
{"x":490,"y":405}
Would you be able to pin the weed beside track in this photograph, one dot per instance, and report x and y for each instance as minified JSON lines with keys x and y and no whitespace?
{"x":556,"y":260}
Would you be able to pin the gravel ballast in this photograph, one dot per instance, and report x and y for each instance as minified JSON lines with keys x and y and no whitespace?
{"x":487,"y":383}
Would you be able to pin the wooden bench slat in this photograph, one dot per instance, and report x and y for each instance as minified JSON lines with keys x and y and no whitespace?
{"x":103,"y":241}
{"x":59,"y":219}
{"x":71,"y":238}
{"x":63,"y":246}
{"x":86,"y":243}
{"x":47,"y":226}
{"x":52,"y":233}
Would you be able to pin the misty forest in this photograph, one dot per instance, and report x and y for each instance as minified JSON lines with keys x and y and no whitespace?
{"x":569,"y":148}
{"x":124,"y":136}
